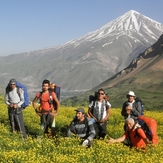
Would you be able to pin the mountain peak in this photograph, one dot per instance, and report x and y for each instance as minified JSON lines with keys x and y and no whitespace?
{"x":129,"y":23}
{"x":132,"y":12}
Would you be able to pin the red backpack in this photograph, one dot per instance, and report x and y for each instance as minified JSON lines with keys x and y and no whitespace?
{"x":152,"y":125}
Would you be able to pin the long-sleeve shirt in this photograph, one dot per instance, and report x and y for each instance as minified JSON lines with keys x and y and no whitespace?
{"x":135,"y":112}
{"x":14,"y":98}
{"x":82,"y":129}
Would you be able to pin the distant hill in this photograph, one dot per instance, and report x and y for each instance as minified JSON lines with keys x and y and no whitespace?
{"x":81,"y":64}
{"x":143,"y":76}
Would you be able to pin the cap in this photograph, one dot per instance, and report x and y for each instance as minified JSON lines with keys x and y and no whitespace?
{"x":80,"y":110}
{"x":131,"y":93}
{"x":12,"y":81}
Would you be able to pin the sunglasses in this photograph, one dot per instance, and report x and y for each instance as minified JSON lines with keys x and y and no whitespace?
{"x":12,"y":84}
{"x":129,"y":96}
{"x":101,"y":93}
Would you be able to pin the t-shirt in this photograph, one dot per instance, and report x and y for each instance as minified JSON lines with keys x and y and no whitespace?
{"x":136,"y":138}
{"x":44,"y":102}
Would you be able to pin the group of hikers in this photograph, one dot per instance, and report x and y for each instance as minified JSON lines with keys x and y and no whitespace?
{"x":87,"y":126}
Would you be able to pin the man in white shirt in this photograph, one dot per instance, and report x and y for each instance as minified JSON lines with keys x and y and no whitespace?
{"x":14,"y":99}
{"x":99,"y":111}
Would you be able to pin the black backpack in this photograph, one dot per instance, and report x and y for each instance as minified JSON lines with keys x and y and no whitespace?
{"x":145,"y":128}
{"x":93,"y":97}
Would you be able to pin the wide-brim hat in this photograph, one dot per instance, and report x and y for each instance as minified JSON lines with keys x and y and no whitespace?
{"x":131,"y":93}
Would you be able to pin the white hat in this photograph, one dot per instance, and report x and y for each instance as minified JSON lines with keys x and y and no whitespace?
{"x":131,"y":93}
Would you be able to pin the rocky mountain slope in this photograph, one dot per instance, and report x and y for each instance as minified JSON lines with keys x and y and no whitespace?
{"x":83,"y":63}
{"x":143,"y":76}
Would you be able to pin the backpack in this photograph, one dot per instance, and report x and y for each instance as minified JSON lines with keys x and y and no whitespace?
{"x":51,"y":101}
{"x":137,"y":99}
{"x":94,"y":97}
{"x":23,"y":87}
{"x":149,"y":126}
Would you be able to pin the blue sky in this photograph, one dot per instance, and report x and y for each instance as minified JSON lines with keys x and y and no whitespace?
{"x":27,"y":25}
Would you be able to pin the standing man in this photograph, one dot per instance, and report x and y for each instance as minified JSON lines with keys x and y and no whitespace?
{"x":46,"y":108}
{"x":14,"y":98}
{"x":99,"y":110}
{"x":131,"y":108}
{"x":82,"y":127}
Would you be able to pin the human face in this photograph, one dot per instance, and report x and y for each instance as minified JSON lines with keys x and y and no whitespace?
{"x":101,"y":95}
{"x":129,"y":125}
{"x":12,"y":85}
{"x":130,"y":98}
{"x":80,"y":116}
{"x":45,"y":87}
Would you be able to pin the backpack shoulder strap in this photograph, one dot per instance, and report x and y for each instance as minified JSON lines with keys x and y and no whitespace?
{"x":40,"y":95}
{"x":18,"y":91}
{"x":50,"y":97}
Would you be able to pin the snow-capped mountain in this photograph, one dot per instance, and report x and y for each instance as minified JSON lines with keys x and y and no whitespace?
{"x":83,"y":63}
{"x":127,"y":24}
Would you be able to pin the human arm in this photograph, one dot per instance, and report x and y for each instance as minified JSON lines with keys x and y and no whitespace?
{"x":107,"y":115}
{"x":71,"y":129}
{"x":91,"y":130}
{"x":142,"y":135}
{"x":123,"y":112}
{"x":21,"y":96}
{"x":90,"y":111}
{"x":118,"y":140}
{"x":7,"y":101}
{"x":34,"y":104}
{"x":137,"y":108}
{"x":91,"y":115}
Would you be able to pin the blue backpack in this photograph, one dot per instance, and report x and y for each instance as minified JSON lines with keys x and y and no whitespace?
{"x":21,"y":86}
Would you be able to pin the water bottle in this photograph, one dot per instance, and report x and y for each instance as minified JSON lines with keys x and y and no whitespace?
{"x":42,"y":126}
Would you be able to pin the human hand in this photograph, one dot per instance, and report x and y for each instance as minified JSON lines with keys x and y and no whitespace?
{"x":95,"y":119}
{"x":53,"y":114}
{"x":103,"y":120}
{"x":111,"y":140}
{"x":11,"y":105}
{"x":85,"y":142}
{"x":128,"y":109}
{"x":38,"y":112}
{"x":15,"y":106}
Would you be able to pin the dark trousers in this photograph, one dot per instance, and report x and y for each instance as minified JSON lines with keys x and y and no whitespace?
{"x":100,"y":129}
{"x":16,"y":120}
{"x":47,"y":120}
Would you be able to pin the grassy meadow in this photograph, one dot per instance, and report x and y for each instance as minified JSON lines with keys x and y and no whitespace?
{"x":36,"y":149}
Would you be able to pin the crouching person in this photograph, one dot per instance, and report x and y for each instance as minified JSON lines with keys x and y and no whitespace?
{"x":82,"y":127}
{"x":134,"y":133}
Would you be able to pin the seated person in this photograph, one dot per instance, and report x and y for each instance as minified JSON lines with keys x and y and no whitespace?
{"x":131,"y":108}
{"x":82,"y":127}
{"x":134,"y":133}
